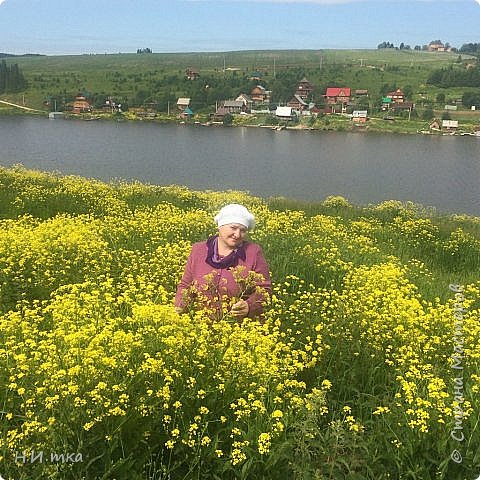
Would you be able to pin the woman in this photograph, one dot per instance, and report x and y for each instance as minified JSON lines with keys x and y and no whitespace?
{"x":221,"y":268}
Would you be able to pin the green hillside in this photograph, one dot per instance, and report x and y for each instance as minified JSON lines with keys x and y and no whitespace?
{"x":160,"y":77}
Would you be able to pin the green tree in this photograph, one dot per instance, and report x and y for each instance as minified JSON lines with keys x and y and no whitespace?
{"x":427,"y":114}
{"x":141,"y":96}
{"x":11,"y":79}
{"x":227,"y":120}
{"x":441,"y":98}
{"x":470,"y":99}
{"x":408,"y":91}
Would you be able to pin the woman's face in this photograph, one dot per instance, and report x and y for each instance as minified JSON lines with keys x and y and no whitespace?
{"x":232,"y":235}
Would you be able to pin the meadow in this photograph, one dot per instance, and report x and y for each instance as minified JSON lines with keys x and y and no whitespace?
{"x":365,"y":366}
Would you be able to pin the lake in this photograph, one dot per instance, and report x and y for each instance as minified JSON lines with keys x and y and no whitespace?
{"x":439,"y":171}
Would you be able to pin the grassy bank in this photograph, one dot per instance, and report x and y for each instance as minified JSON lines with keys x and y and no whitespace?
{"x":349,"y":377}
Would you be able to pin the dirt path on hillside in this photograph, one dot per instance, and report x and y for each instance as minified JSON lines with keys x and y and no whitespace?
{"x":20,"y":106}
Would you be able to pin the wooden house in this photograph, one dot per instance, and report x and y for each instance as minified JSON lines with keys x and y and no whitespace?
{"x":246,"y":100}
{"x":298,"y":103}
{"x":192,"y":73}
{"x":304,"y":88}
{"x":396,"y":96}
{"x":361,"y":92}
{"x":450,"y":126}
{"x":337,"y":95}
{"x":403,"y":106}
{"x":233,"y":106}
{"x":316,"y":110}
{"x":256,"y":76}
{"x":187,"y":113}
{"x":183,"y":103}
{"x":81,"y":105}
{"x":260,"y":94}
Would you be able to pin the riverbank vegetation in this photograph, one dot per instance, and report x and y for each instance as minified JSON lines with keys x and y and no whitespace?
{"x":366,"y":366}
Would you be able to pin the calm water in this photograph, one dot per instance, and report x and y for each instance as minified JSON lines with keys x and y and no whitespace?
{"x":365,"y":168}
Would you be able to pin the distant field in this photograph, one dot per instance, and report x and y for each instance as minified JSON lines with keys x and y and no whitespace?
{"x":243,"y":59}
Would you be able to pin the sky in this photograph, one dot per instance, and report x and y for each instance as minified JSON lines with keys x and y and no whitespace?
{"x":71,"y":27}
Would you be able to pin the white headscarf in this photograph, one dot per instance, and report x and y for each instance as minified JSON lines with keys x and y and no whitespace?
{"x":235,"y":213}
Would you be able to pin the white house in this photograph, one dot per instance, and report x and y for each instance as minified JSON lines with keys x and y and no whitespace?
{"x":284,"y":113}
{"x":450,"y":125}
{"x":359,"y":116}
{"x":183,"y":103}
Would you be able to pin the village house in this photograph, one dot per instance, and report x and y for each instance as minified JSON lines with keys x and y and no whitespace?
{"x":260,"y":94}
{"x":450,"y":126}
{"x":316,"y":110}
{"x":337,"y":95}
{"x":219,"y":114}
{"x":81,"y":105}
{"x":256,"y":76}
{"x":148,"y":110}
{"x":192,"y":73}
{"x":233,"y":106}
{"x":228,"y":107}
{"x":434,"y":125}
{"x":111,"y":106}
{"x":359,"y":116}
{"x":396,"y":96}
{"x":284,"y":113}
{"x":304,"y":88}
{"x":183,"y":103}
{"x":297,"y":103}
{"x":246,"y":100}
{"x":361,"y":93}
{"x":438,"y":47}
{"x":386,"y":103}
{"x":403,"y":106}
{"x":187,"y":113}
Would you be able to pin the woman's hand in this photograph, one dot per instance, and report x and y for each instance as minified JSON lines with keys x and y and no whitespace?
{"x":240,"y":309}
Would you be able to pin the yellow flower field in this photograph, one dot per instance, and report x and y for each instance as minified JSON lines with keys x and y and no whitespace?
{"x":367,"y":365}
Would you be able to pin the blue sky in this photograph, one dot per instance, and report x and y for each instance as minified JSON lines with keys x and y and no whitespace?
{"x":55,"y":27}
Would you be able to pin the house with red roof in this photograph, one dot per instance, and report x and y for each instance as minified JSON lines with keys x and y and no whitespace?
{"x":337,"y":95}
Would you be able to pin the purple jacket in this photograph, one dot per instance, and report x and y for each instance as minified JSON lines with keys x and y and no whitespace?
{"x":197,"y":268}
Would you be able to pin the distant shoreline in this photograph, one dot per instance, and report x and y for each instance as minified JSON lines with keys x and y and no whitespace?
{"x":336,"y":123}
